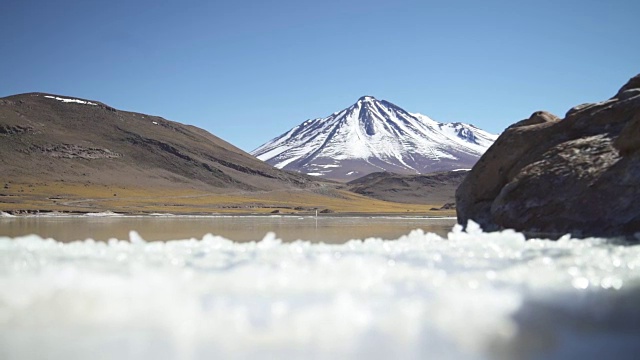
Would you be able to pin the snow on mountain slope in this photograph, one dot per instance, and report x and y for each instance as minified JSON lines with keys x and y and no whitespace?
{"x":375,"y":135}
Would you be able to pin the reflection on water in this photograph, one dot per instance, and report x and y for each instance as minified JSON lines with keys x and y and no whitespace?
{"x":238,"y":228}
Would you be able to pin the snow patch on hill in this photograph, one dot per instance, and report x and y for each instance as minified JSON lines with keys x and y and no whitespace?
{"x":68,"y":100}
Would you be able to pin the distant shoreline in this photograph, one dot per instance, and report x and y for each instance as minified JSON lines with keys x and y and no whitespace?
{"x":89,"y":214}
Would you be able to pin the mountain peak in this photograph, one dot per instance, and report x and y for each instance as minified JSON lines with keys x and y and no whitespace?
{"x":366,"y":98}
{"x":373,"y":136}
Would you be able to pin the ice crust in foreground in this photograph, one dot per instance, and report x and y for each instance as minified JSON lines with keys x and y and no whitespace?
{"x":473,"y":295}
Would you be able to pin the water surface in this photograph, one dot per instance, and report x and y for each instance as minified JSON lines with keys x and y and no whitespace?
{"x":237,"y":228}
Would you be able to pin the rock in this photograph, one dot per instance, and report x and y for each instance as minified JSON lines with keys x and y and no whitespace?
{"x":632,"y":84}
{"x":628,"y":94}
{"x":549,"y":177}
{"x":538,"y":117}
{"x":326,"y":211}
{"x":628,"y":140}
{"x":69,"y":151}
{"x":15,"y":130}
{"x":447,"y":206}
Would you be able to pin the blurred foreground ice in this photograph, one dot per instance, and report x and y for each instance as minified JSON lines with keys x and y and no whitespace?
{"x":472,"y":296}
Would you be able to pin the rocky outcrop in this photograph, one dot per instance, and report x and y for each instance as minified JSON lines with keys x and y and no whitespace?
{"x":69,"y":151}
{"x":548,"y":176}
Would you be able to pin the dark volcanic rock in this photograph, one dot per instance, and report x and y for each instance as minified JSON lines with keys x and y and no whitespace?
{"x":547,"y":176}
{"x":447,"y":206}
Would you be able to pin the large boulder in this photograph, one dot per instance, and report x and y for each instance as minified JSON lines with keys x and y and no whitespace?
{"x":549,"y":176}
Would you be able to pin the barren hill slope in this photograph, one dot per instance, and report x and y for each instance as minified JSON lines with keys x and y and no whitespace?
{"x":433,"y":188}
{"x":56,"y":138}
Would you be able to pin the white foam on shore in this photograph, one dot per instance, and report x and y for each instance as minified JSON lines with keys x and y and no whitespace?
{"x":473,"y":295}
{"x":102,"y":214}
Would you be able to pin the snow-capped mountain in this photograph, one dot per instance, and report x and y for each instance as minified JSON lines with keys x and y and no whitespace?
{"x":375,"y":135}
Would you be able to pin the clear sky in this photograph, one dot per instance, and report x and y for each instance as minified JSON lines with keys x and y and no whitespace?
{"x":248,"y":71}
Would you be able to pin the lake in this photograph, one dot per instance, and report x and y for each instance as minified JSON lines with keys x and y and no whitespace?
{"x":328,"y":229}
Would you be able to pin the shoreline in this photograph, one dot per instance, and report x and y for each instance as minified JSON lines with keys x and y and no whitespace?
{"x":90,"y":214}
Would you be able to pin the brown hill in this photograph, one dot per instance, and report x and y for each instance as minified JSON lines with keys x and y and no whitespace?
{"x":433,"y":188}
{"x":67,"y":139}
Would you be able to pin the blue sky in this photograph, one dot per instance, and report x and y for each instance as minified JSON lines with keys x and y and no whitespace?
{"x":248,"y":71}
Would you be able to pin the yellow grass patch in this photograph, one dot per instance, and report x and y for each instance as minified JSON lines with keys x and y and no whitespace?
{"x":63,"y":196}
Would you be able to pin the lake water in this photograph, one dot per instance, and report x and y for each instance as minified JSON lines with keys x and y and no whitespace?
{"x":419,"y":295}
{"x":237,"y":228}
